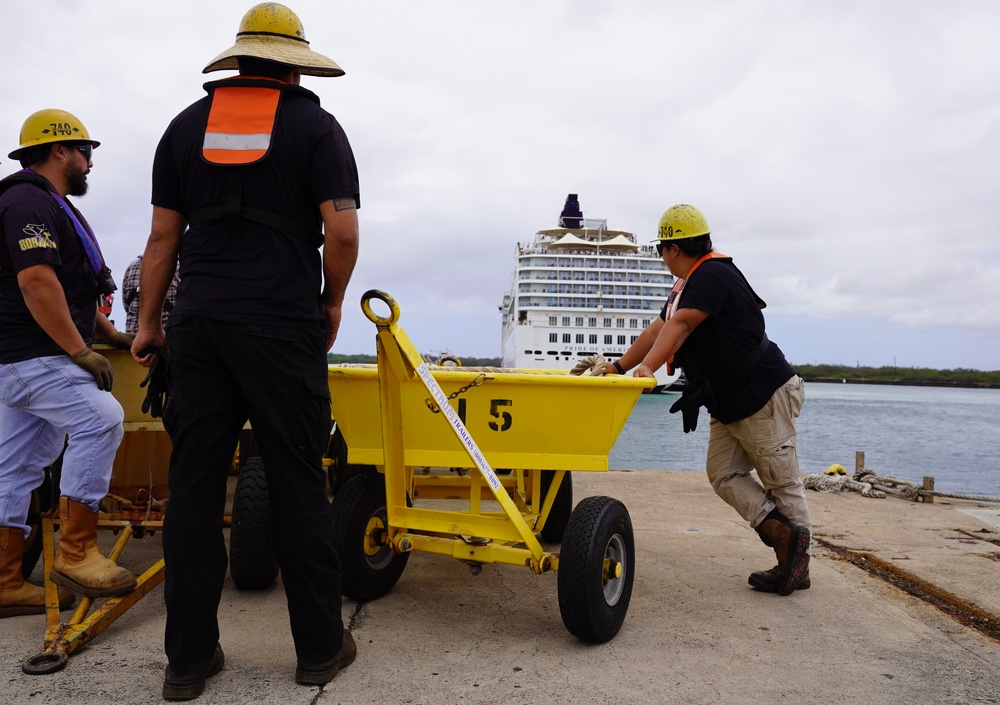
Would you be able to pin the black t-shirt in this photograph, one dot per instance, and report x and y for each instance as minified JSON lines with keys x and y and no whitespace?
{"x":36,"y":230}
{"x":238,"y":270}
{"x":730,"y":335}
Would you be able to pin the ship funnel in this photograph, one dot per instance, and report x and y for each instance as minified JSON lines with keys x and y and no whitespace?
{"x":571,"y":216}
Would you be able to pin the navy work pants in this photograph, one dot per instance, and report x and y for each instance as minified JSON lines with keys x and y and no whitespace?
{"x":223,"y":374}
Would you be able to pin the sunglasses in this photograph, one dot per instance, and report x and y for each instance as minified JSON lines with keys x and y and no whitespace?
{"x":87,"y":150}
{"x":661,"y":246}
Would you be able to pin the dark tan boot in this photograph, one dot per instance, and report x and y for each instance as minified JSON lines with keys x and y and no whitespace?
{"x":767,"y":580}
{"x":791,"y":545}
{"x":80,"y":565}
{"x":16,"y":596}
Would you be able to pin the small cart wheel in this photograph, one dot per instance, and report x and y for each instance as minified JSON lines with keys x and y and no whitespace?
{"x":596,"y":569}
{"x":562,"y":507}
{"x":360,"y":522}
{"x":251,"y":545}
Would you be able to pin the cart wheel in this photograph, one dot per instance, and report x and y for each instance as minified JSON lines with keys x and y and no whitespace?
{"x":340,"y":471}
{"x":370,"y":568}
{"x":251,"y":548}
{"x":596,"y":569}
{"x":555,"y":523}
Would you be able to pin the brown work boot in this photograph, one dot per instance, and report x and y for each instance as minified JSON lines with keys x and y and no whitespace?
{"x":790,"y":543}
{"x":80,"y":565}
{"x":767,"y":580}
{"x":16,"y":596}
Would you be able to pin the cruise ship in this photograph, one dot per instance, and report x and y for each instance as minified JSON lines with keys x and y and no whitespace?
{"x":581,"y":289}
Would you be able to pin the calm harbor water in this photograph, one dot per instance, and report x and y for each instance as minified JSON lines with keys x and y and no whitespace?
{"x":909,"y":432}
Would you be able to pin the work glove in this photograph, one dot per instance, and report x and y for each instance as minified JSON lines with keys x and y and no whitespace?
{"x":122,"y":341}
{"x":98,"y":366}
{"x":595,"y":363}
{"x":157,"y":382}
{"x":689,"y":405}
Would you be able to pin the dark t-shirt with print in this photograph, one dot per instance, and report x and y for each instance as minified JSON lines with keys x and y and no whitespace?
{"x":36,"y":230}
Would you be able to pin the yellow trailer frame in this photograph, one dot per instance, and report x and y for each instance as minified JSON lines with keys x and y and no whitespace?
{"x":399,"y":417}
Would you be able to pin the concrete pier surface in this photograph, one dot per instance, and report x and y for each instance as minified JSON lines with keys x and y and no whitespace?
{"x":904,"y":608}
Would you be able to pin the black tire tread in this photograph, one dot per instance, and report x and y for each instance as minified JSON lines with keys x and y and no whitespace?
{"x":252,"y":563}
{"x":581,"y":599}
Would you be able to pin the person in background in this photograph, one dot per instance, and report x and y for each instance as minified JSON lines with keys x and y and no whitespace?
{"x":712,"y":327}
{"x":52,"y":384}
{"x":130,"y":295}
{"x":262,"y":177}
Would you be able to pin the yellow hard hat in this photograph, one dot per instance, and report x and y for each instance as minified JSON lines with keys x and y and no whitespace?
{"x":273,"y":32}
{"x":51,"y":125}
{"x":680,"y":222}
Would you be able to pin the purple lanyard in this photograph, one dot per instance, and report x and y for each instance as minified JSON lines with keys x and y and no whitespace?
{"x":87,"y":237}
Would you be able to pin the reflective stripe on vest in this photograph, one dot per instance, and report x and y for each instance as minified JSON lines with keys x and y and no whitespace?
{"x":240,"y":123}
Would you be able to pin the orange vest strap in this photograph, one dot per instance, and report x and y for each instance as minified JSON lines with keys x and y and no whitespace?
{"x":240,"y":123}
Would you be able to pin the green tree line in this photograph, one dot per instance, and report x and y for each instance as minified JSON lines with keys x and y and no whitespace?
{"x":915,"y":376}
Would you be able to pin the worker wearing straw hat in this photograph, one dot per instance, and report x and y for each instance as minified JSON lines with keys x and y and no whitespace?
{"x":261,"y":176}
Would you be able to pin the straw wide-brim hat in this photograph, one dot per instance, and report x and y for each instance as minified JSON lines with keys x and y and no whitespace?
{"x":280,"y":49}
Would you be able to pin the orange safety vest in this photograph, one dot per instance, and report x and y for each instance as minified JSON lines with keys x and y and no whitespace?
{"x":241,"y":121}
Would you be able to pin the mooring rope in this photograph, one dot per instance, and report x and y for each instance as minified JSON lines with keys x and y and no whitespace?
{"x":870,"y":484}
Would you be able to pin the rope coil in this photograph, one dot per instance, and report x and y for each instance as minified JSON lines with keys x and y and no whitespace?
{"x":870,"y":484}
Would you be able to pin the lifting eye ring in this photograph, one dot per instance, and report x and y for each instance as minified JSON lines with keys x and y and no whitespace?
{"x":385,"y":298}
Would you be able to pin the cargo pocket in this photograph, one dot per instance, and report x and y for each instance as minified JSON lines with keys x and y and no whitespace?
{"x":319,"y":388}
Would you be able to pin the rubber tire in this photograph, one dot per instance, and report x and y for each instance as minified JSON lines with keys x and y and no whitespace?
{"x":592,"y":608}
{"x":251,"y":545}
{"x":340,"y":471}
{"x":364,"y":577}
{"x":562,"y":508}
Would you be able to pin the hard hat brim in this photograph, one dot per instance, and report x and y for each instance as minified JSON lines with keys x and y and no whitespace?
{"x":16,"y":154}
{"x":289,"y":52}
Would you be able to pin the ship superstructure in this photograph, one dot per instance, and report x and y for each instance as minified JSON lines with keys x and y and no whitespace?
{"x":580,"y":289}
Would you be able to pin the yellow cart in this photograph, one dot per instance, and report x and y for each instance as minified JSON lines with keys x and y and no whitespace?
{"x":404,"y":417}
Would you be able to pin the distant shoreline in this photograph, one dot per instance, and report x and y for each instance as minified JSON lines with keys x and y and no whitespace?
{"x":902,"y":383}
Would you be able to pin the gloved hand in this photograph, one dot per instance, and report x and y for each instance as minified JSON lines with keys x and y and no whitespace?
{"x":595,"y":363}
{"x":122,"y":341}
{"x":158,"y":382}
{"x":98,"y":366}
{"x":689,"y":404}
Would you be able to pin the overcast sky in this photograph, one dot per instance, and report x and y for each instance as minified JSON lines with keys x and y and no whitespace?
{"x":845,"y":153}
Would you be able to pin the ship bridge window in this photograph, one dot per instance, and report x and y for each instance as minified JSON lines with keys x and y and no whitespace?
{"x":566,"y":337}
{"x":566,"y":353}
{"x":565,"y":321}
{"x":634,"y":338}
{"x":579,"y":338}
{"x":607,"y":322}
{"x":620,"y":323}
{"x":553,"y":337}
{"x":579,"y":321}
{"x":621,"y":339}
{"x":608,"y":339}
{"x":552,"y":320}
{"x":593,"y":339}
{"x":551,"y":352}
{"x":633,"y":323}
{"x":592,"y":322}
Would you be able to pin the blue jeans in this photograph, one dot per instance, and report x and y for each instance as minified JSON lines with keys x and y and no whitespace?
{"x":42,"y":401}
